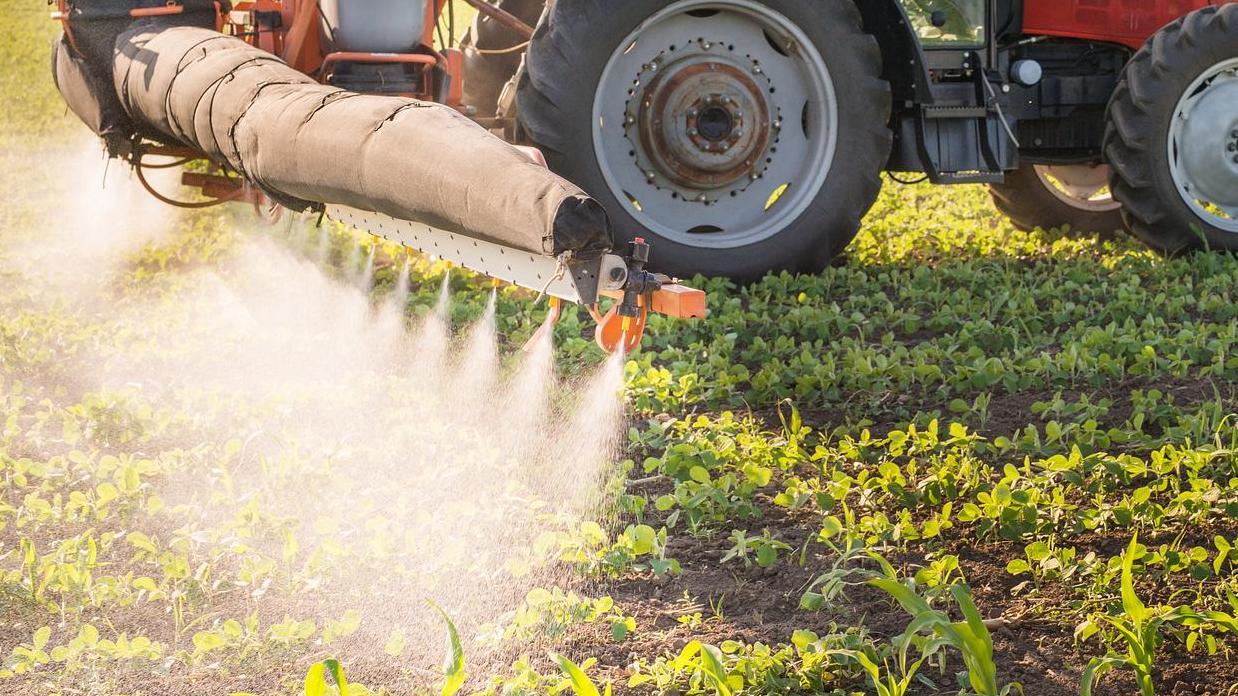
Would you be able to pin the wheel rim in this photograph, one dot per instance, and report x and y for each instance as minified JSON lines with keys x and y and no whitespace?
{"x":1203,"y":146}
{"x":715,"y":122}
{"x":1083,"y":187}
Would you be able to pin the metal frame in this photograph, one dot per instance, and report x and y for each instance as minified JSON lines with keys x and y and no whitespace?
{"x":572,"y":281}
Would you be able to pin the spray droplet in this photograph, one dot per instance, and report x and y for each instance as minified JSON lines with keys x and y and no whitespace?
{"x":354,"y":257}
{"x":324,"y":246}
{"x":443,"y":309}
{"x":400,"y":296}
{"x":367,"y":276}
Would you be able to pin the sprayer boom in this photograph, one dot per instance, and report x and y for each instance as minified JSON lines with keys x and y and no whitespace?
{"x":166,"y":80}
{"x":635,"y":291}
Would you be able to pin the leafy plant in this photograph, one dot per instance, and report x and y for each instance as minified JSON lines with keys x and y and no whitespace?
{"x":969,"y":637}
{"x":579,"y":682}
{"x":1140,"y":630}
{"x":316,"y":683}
{"x":453,"y":663}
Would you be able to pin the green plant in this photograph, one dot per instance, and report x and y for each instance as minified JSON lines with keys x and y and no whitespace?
{"x":764,"y":548}
{"x":1140,"y":630}
{"x":316,"y":683}
{"x":969,"y":637}
{"x":579,"y":682}
{"x":453,"y":664}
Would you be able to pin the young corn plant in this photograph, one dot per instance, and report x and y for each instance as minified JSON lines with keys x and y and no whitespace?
{"x":1139,"y":628}
{"x":891,"y":682}
{"x":970,"y":637}
{"x":453,"y":664}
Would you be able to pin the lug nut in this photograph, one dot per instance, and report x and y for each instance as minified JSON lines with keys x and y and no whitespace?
{"x":651,"y":175}
{"x":692,"y":132}
{"x":701,"y":198}
{"x":706,"y":45}
{"x":693,"y":113}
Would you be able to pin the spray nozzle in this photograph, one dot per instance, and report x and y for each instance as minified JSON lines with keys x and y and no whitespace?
{"x":640,"y":282}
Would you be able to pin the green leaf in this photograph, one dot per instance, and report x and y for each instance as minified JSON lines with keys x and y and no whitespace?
{"x":1135,"y":609}
{"x":395,"y":643}
{"x":205,"y":641}
{"x":580,"y":682}
{"x":41,"y":637}
{"x":831,"y":527}
{"x":337,"y":673}
{"x":644,"y":539}
{"x":453,"y":663}
{"x":766,"y":556}
{"x":316,"y":678}
{"x":1018,"y":567}
{"x":711,"y":665}
{"x":1095,"y":670}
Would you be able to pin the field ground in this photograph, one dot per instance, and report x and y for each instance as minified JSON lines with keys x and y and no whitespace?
{"x":979,"y":407}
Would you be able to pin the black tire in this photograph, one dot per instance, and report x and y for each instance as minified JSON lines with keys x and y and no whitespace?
{"x":555,"y":104}
{"x":1026,"y":200}
{"x":489,"y":62}
{"x":1140,"y":112}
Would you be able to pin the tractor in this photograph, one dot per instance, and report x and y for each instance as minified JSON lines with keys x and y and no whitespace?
{"x":741,"y":137}
{"x":748,"y":136}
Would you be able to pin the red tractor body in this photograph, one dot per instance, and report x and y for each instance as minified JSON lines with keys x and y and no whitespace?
{"x":1128,"y":22}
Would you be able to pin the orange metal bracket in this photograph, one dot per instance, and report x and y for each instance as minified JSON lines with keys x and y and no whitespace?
{"x":673,"y":300}
{"x":616,"y":332}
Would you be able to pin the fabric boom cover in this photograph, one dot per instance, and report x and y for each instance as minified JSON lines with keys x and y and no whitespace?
{"x":306,"y":143}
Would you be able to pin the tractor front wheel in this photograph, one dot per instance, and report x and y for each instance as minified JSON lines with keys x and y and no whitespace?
{"x":1054,"y":196}
{"x":740,"y":136}
{"x":1172,"y":139}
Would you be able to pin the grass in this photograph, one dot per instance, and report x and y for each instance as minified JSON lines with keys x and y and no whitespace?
{"x":997,"y":414}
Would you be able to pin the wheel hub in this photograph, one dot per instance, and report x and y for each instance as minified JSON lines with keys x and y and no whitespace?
{"x":703,"y":121}
{"x":715,"y":122}
{"x":1208,"y":147}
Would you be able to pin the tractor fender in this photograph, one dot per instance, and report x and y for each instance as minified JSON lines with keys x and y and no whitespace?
{"x":902,"y":56}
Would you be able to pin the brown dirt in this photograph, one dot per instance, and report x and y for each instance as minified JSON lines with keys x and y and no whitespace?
{"x":1037,"y":649}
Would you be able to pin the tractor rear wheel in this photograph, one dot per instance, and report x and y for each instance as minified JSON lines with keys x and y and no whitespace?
{"x":740,"y":136}
{"x":1172,"y":139}
{"x":1054,"y":196}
